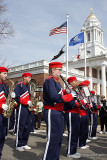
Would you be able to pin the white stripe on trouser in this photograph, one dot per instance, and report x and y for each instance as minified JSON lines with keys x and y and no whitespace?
{"x":49,"y":132}
{"x":18,"y":124}
{"x":69,"y":138}
{"x":78,"y":134}
{"x":8,"y":123}
{"x":91,"y":124}
{"x":14,"y":120}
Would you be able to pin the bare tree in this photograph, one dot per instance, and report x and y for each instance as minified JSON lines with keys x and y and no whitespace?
{"x":6,"y":29}
{"x":4,"y":62}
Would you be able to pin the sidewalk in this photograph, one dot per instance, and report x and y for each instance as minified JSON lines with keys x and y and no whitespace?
{"x":96,"y":151}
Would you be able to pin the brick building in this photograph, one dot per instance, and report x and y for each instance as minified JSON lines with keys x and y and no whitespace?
{"x":39,"y":71}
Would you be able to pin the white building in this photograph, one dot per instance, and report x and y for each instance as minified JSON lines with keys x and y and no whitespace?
{"x":96,"y":59}
{"x":96,"y":55}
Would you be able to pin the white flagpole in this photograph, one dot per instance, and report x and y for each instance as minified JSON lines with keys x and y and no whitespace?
{"x":67,"y":50}
{"x":85,"y":52}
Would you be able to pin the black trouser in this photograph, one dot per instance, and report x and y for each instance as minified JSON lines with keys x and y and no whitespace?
{"x":103,"y":121}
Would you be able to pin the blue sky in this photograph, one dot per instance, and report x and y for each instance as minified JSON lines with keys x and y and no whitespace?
{"x":32,"y":21}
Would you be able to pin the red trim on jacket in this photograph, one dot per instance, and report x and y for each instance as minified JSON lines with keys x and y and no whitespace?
{"x":82,"y":113}
{"x":58,"y":107}
{"x":74,"y":110}
{"x":96,"y":111}
{"x":67,"y":97}
{"x":89,"y":106}
{"x":98,"y":106}
{"x":24,"y":98}
{"x":77,"y":103}
{"x":1,"y":82}
{"x":2,"y":100}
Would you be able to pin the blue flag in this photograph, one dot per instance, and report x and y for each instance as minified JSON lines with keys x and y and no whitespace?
{"x":79,"y":38}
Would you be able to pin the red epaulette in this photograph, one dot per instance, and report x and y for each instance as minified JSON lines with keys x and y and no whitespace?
{"x":49,"y":77}
{"x":19,"y":83}
{"x":22,"y":83}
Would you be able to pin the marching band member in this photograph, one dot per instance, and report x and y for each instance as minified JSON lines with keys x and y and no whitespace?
{"x":3,"y":106}
{"x":94,"y":118}
{"x":22,"y":97}
{"x":87,"y":82}
{"x":84,"y":119}
{"x":53,"y":111}
{"x":73,"y":120}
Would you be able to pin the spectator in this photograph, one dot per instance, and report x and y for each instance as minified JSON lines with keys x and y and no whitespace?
{"x":39,"y":113}
{"x":103,"y":115}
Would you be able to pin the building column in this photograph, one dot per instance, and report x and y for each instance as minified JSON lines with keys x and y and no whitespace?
{"x":94,"y":35}
{"x":99,"y":36}
{"x":98,"y":81}
{"x":102,"y":37}
{"x":90,"y":75}
{"x":90,"y":35}
{"x":103,"y":76}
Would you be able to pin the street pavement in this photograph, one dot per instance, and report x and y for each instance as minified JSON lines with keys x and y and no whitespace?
{"x":97,"y":148}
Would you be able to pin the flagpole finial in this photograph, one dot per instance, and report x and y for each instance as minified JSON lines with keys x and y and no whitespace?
{"x":67,"y":15}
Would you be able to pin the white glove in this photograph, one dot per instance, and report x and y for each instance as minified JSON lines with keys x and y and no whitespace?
{"x":13,"y":95}
{"x":85,"y":101}
{"x":101,"y":105}
{"x":34,"y":109}
{"x":68,"y":90}
{"x":29,"y":103}
{"x":91,"y":105}
{"x":74,"y":94}
{"x":4,"y":106}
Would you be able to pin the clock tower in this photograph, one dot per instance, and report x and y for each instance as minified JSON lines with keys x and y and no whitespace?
{"x":93,"y":38}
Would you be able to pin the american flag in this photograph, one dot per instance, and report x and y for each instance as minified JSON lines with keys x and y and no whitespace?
{"x":60,"y":29}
